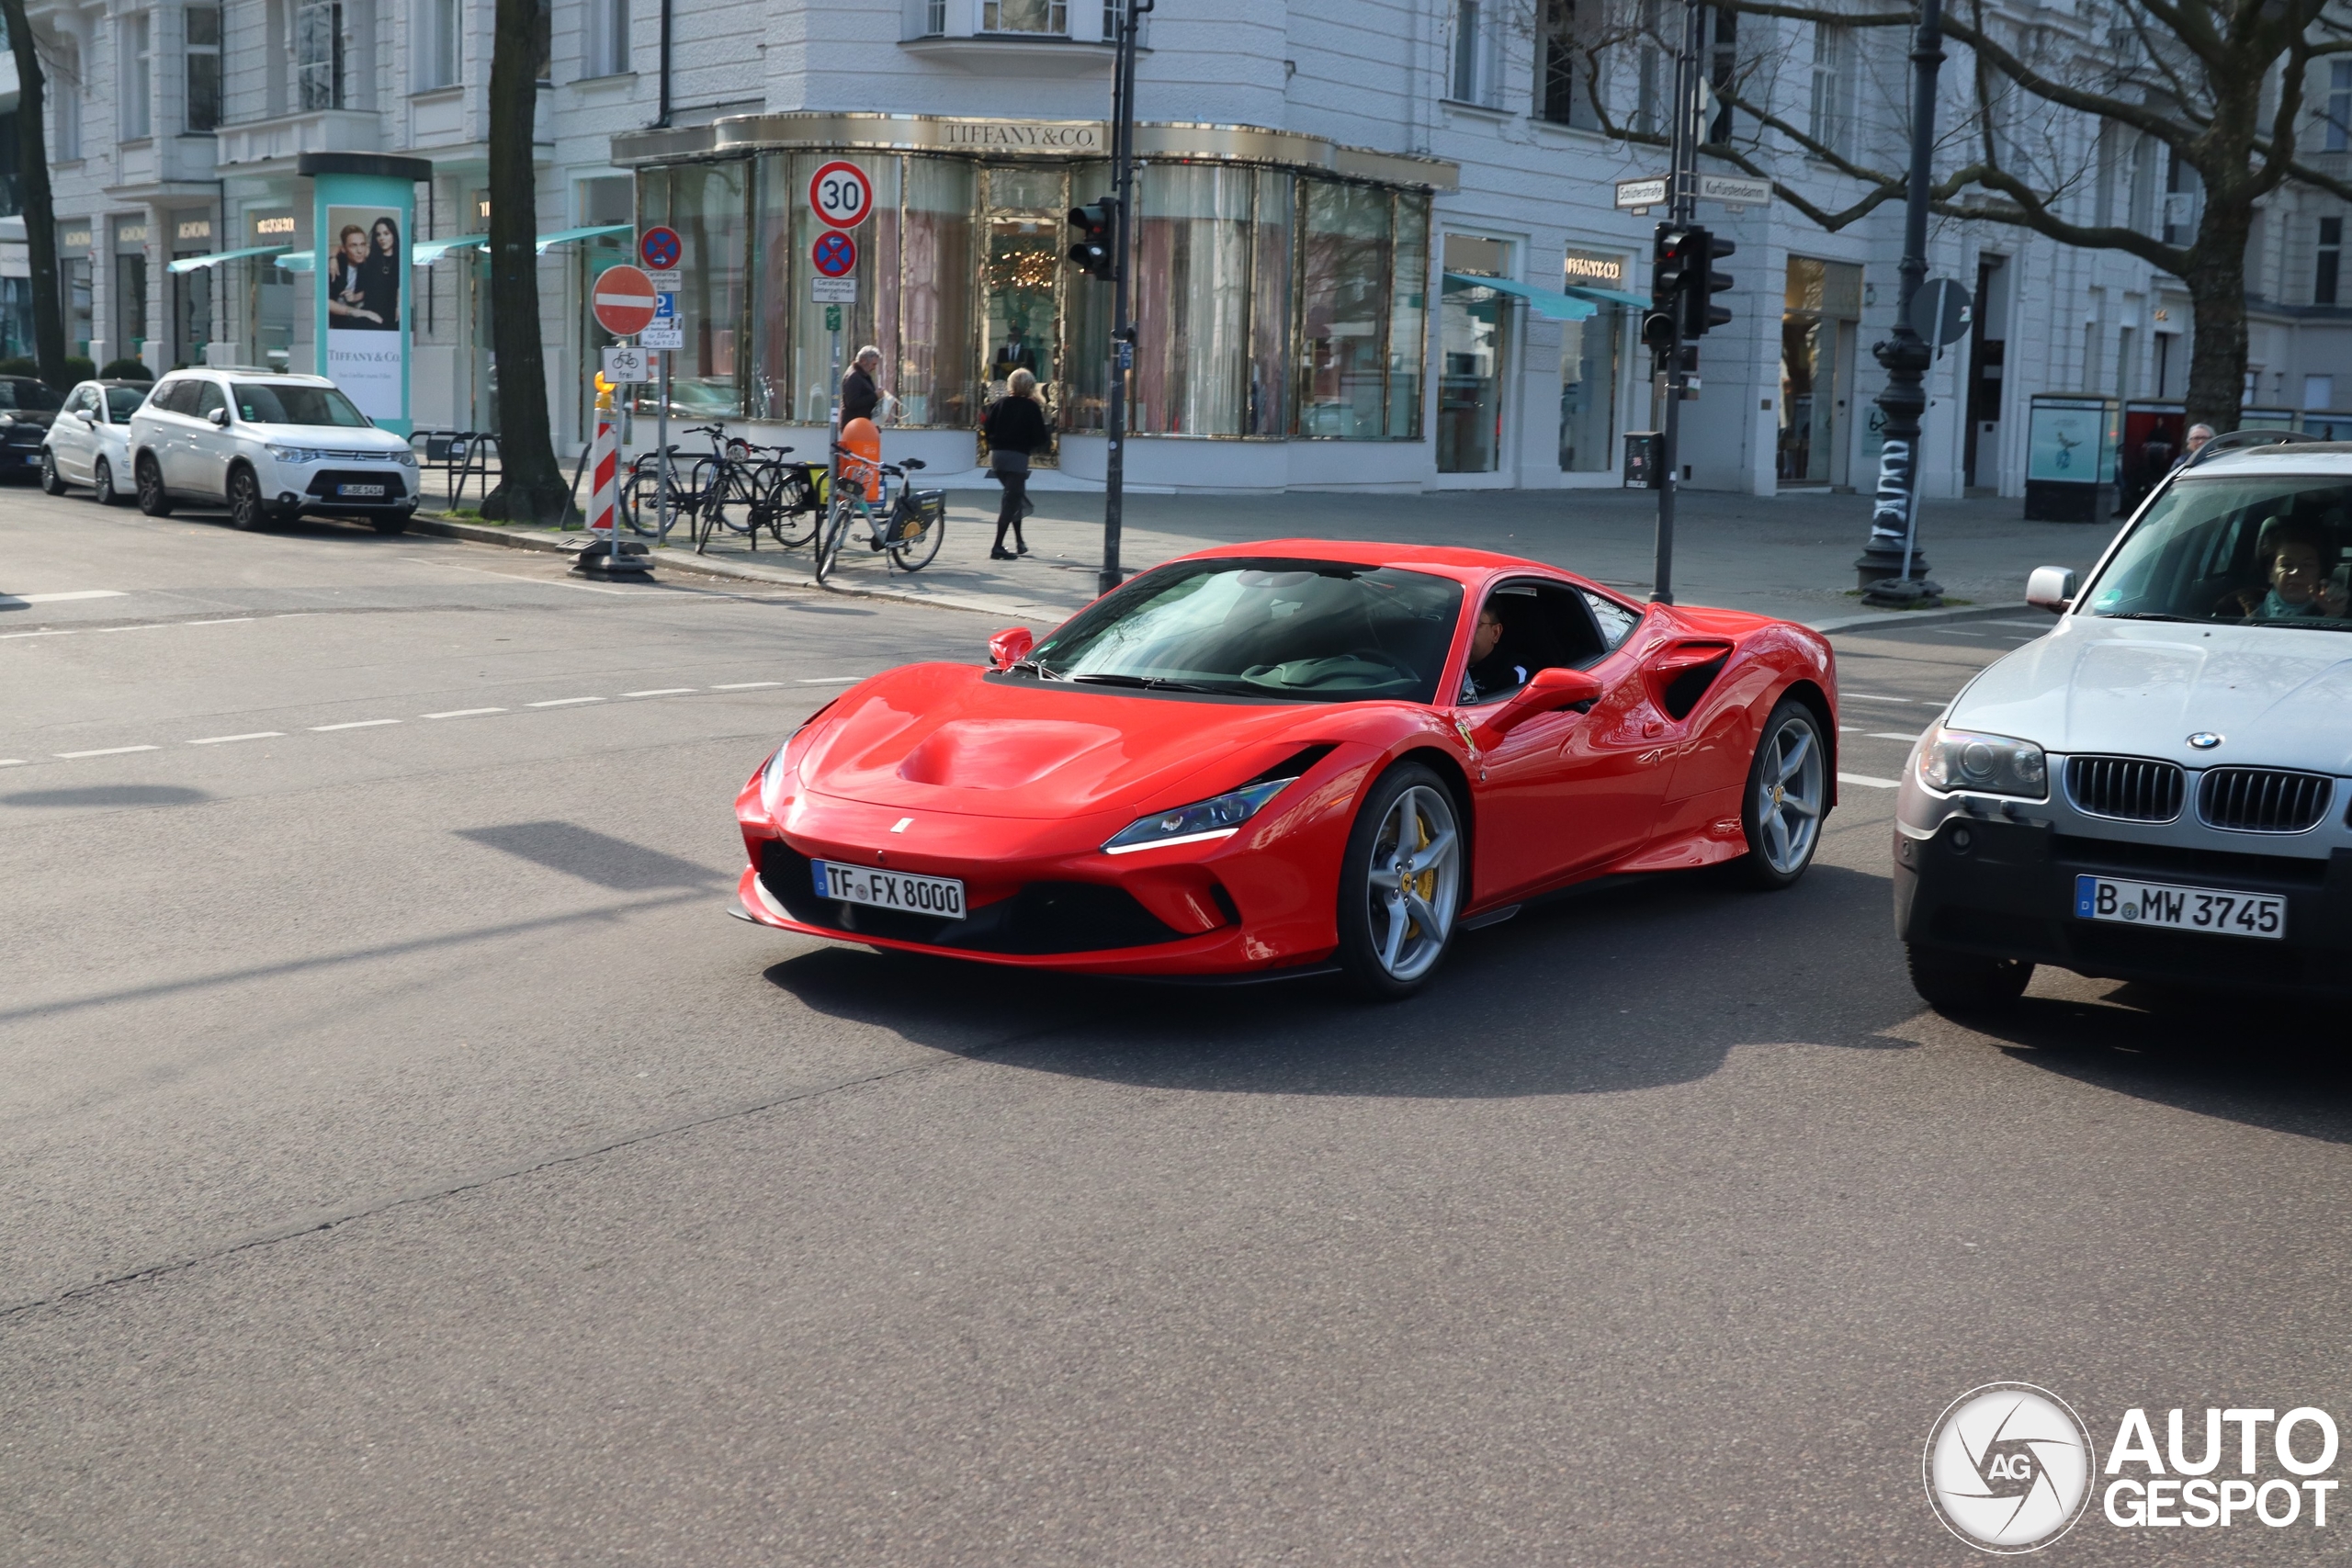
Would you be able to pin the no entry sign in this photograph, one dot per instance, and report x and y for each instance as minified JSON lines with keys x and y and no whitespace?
{"x":625,"y":300}
{"x":840,"y":196}
{"x":834,"y":254}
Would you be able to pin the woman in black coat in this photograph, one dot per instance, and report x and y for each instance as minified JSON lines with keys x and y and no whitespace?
{"x":1015,"y":428}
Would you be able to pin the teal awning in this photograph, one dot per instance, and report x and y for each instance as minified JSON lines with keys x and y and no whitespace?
{"x":1600,"y":296}
{"x":565,"y":236}
{"x":1549,"y":303}
{"x":297,"y":261}
{"x":424,"y":253}
{"x":189,"y":263}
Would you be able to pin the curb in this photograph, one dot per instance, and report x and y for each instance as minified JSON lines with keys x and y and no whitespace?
{"x":748,"y":572}
{"x":1887,"y":618}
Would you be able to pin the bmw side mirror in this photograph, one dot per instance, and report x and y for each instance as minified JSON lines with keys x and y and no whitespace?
{"x":2050,"y":588}
{"x":1009,"y":646}
{"x":218,"y":416}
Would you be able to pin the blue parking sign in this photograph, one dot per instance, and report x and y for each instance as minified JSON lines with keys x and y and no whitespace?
{"x":664,"y":306}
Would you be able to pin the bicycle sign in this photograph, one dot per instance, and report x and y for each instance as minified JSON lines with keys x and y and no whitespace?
{"x":834,"y":254}
{"x":660,"y":249}
{"x":839,"y":194}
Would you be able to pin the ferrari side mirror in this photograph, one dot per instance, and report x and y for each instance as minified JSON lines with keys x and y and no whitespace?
{"x":2050,"y":588}
{"x":1009,"y":646}
{"x":1550,"y":691}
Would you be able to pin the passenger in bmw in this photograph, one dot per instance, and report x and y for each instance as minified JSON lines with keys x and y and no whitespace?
{"x":2298,"y":559}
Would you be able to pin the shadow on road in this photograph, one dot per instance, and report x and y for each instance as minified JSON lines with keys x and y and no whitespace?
{"x":595,"y":857}
{"x":109,"y":795}
{"x":1635,"y":987}
{"x":2276,"y":1065}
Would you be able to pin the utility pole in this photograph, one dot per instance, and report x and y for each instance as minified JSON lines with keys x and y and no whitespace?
{"x":1123,"y":332}
{"x":1894,"y":575}
{"x":1682,"y":212}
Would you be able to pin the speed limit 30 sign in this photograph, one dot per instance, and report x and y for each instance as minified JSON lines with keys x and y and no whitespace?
{"x":840,"y":196}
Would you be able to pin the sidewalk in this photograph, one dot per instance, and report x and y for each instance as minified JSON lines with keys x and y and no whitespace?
{"x":1790,"y":556}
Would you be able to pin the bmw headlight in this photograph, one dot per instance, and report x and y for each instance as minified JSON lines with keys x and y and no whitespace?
{"x":1989,"y":764}
{"x":1218,"y":817}
{"x":296,"y":454}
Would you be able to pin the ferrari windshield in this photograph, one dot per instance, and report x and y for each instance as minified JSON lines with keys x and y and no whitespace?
{"x":2260,"y":552}
{"x":1304,"y":630}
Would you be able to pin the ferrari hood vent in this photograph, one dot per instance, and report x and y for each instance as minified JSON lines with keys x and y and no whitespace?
{"x":1292,"y":766}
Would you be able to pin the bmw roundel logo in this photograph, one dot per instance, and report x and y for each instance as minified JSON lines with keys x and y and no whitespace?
{"x":2204,"y":741}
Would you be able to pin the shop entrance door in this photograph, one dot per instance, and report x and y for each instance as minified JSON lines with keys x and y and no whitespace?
{"x":1820,"y":320}
{"x":1024,"y":211}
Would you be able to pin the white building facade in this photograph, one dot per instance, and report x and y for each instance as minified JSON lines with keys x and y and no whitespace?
{"x":1377,"y":246}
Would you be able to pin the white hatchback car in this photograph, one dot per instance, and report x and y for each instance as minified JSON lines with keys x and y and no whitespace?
{"x":2157,"y":790}
{"x":271,"y":447}
{"x":89,"y":441}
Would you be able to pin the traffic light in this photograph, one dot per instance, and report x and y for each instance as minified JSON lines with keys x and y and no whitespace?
{"x":1658,"y":331}
{"x":1701,"y":281}
{"x":1091,"y":232}
{"x":1671,"y":255}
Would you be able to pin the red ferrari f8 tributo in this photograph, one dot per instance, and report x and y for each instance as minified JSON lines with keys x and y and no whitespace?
{"x":1297,"y":756}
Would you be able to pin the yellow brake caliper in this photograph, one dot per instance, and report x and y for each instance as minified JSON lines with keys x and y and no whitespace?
{"x":1424,"y":884}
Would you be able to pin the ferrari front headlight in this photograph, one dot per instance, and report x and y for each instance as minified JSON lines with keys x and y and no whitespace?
{"x":1220,"y":816}
{"x":1987,"y":764}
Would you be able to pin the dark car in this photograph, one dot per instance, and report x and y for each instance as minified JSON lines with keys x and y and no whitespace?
{"x":27,"y":407}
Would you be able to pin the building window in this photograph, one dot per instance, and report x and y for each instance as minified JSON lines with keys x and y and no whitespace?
{"x":543,"y":42}
{"x":318,"y":54}
{"x":203,"y":67}
{"x":2339,"y":105}
{"x":2319,"y":393}
{"x":1564,"y":94}
{"x":439,"y":28}
{"x":1468,"y":44}
{"x":1832,"y":113}
{"x":1051,"y":16}
{"x":137,"y":44}
{"x":1364,"y":277}
{"x":1724,"y":72}
{"x":2331,"y":253}
{"x":607,"y":41}
{"x":934,"y":19}
{"x":65,"y":104}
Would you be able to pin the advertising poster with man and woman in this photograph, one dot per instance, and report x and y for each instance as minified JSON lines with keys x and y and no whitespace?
{"x":366,"y":351}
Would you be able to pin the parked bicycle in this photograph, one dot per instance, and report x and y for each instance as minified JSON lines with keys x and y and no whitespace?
{"x":748,"y":487}
{"x":908,"y":529}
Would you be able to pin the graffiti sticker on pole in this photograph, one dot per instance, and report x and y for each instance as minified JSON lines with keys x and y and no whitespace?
{"x":834,"y":254}
{"x":839,"y":194}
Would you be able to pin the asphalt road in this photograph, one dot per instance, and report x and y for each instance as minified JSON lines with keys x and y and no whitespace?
{"x":402,"y":1161}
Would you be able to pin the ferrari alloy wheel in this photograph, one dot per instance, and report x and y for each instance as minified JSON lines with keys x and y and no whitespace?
{"x":153,"y":499}
{"x":1964,"y":982}
{"x":102,"y":483}
{"x":1400,"y":884}
{"x":51,"y":481}
{"x":1788,"y":792}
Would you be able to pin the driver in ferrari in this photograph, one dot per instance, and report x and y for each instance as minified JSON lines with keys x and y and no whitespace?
{"x":1492,"y":670}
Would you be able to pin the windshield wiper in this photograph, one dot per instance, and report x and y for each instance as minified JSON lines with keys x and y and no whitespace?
{"x":1036,"y":668}
{"x":1141,"y":683}
{"x":2142,"y":615}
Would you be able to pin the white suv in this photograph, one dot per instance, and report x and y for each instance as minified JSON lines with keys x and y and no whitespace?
{"x":269,"y":445}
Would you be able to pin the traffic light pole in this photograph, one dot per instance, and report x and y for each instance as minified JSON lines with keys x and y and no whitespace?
{"x":1892,"y":574}
{"x":1122,"y":333}
{"x":1681,"y":211}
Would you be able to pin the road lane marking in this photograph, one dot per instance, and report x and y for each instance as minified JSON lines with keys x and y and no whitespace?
{"x":745,"y":685}
{"x":662,"y":692}
{"x":1867,"y":697}
{"x":11,"y":761}
{"x":224,"y":740}
{"x":463,"y":713}
{"x":833,"y":681}
{"x":1889,"y":735}
{"x":232,"y":621}
{"x":1866,"y":780}
{"x":355,"y":724}
{"x":56,"y":631}
{"x":8,"y":599}
{"x":2038,"y":625}
{"x":146,"y":626}
{"x":1953,"y":631}
{"x":104,"y":751}
{"x":562,"y":702}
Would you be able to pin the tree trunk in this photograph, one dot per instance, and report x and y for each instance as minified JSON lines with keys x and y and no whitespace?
{"x":40,"y":215}
{"x":2215,"y":277}
{"x":531,"y":487}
